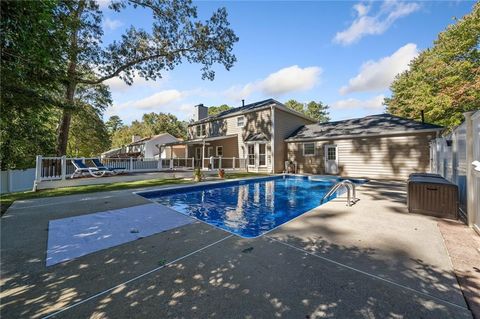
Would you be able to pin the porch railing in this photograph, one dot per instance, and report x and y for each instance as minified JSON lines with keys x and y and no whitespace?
{"x":227,"y":163}
{"x":61,"y":168}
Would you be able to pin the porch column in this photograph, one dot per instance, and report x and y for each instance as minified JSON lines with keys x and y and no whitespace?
{"x":203,"y":154}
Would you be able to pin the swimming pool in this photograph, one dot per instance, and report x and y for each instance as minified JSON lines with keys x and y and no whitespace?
{"x":248,"y":208}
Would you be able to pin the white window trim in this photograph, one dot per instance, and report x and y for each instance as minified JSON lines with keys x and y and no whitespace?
{"x":196,"y":131}
{"x":243,"y":121}
{"x":314,"y":149}
{"x":266,"y":164}
{"x":216,"y":151}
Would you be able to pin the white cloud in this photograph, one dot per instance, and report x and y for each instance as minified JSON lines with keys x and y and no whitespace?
{"x":103,"y":4}
{"x":378,"y":75}
{"x":289,"y":79}
{"x":375,"y":103}
{"x":118,"y":86}
{"x":378,"y":23}
{"x":111,"y":24}
{"x":153,"y":101}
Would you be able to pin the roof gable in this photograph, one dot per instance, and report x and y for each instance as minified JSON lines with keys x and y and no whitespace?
{"x":369,"y":125}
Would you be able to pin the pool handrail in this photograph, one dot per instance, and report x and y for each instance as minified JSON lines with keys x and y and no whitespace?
{"x":349,"y":185}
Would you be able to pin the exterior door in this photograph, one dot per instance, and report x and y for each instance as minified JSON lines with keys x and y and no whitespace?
{"x":331,"y":159}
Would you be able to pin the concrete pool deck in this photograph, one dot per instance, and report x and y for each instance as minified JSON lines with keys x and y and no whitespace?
{"x":371,"y":260}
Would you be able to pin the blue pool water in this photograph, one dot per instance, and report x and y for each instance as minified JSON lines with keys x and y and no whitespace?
{"x":247,"y":208}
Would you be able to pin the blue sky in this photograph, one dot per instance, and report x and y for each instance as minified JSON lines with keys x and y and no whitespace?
{"x":342,"y":53}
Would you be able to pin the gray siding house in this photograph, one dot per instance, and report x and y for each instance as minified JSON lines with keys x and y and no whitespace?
{"x":254,"y":133}
{"x":266,"y":136}
{"x":376,"y":146}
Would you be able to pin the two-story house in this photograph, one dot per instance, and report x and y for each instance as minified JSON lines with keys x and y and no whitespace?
{"x":253,"y":133}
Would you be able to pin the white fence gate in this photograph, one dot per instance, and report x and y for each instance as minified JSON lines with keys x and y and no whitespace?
{"x":457,"y":158}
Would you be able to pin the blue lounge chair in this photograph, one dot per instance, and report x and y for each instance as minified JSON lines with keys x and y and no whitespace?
{"x":81,"y":168}
{"x":101,"y":167}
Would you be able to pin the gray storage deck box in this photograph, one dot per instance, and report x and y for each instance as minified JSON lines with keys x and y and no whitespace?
{"x":432,"y":195}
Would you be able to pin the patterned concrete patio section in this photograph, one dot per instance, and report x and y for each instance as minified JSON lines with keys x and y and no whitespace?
{"x":372,"y":260}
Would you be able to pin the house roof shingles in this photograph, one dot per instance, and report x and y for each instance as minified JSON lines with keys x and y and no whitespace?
{"x":369,"y":125}
{"x":239,"y":110}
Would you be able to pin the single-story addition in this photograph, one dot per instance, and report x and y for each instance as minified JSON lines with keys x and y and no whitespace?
{"x":376,"y":146}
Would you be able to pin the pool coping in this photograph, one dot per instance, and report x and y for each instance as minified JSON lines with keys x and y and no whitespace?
{"x":167,"y":188}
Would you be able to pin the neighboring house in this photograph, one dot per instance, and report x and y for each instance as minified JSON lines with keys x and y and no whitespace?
{"x":254,"y":132}
{"x":147,"y":148}
{"x":376,"y":146}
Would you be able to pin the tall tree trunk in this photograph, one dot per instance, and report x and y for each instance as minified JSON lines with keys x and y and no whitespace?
{"x":64,"y":127}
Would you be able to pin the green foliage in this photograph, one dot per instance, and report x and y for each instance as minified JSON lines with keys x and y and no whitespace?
{"x":113,"y":124}
{"x":176,"y":36}
{"x":89,"y":136}
{"x":30,"y":81}
{"x":295,"y":105}
{"x":315,"y":110}
{"x":151,"y":124}
{"x":214,"y":110}
{"x":443,"y":81}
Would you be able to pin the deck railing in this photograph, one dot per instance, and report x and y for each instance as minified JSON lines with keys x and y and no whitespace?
{"x":61,"y":168}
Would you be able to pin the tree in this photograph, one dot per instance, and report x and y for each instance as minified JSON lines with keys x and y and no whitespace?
{"x":113,"y":124}
{"x":214,"y":110}
{"x":32,"y":41}
{"x":151,"y":124}
{"x":318,"y":111}
{"x":176,"y":36}
{"x":315,"y":110}
{"x":295,"y":105}
{"x":443,"y":81}
{"x":89,"y":135}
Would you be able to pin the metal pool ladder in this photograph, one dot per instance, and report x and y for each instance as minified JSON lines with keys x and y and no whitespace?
{"x":349,"y":185}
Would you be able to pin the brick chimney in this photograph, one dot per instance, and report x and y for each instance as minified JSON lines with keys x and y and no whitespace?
{"x":201,"y":112}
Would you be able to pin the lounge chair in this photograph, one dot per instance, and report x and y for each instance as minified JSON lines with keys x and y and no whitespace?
{"x":101,"y":167}
{"x":81,"y":168}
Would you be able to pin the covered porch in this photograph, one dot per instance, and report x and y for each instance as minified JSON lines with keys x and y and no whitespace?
{"x":219,"y":152}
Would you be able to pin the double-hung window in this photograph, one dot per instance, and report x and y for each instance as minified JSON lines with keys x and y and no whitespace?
{"x":308,"y":149}
{"x":262,"y":154}
{"x":201,"y":130}
{"x":219,"y":151}
{"x":240,"y":121}
{"x":251,"y":154}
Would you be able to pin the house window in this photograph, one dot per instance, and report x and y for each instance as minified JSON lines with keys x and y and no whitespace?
{"x":331,"y":154}
{"x":210,"y":151}
{"x":240,"y":121}
{"x":308,"y":149}
{"x":262,"y":154}
{"x":251,"y":154}
{"x":201,"y":130}
{"x":219,"y":150}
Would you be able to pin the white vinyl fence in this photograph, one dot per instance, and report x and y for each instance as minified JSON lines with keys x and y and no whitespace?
{"x":457,"y":158}
{"x":17,"y":180}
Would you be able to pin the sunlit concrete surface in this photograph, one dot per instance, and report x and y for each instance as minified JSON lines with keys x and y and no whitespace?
{"x":371,"y":260}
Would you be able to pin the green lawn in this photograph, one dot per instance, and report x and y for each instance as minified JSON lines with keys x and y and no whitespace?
{"x":8,"y":199}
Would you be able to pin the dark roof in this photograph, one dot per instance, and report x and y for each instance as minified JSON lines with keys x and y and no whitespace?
{"x":239,"y":109}
{"x":373,"y":124}
{"x":257,"y":137}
